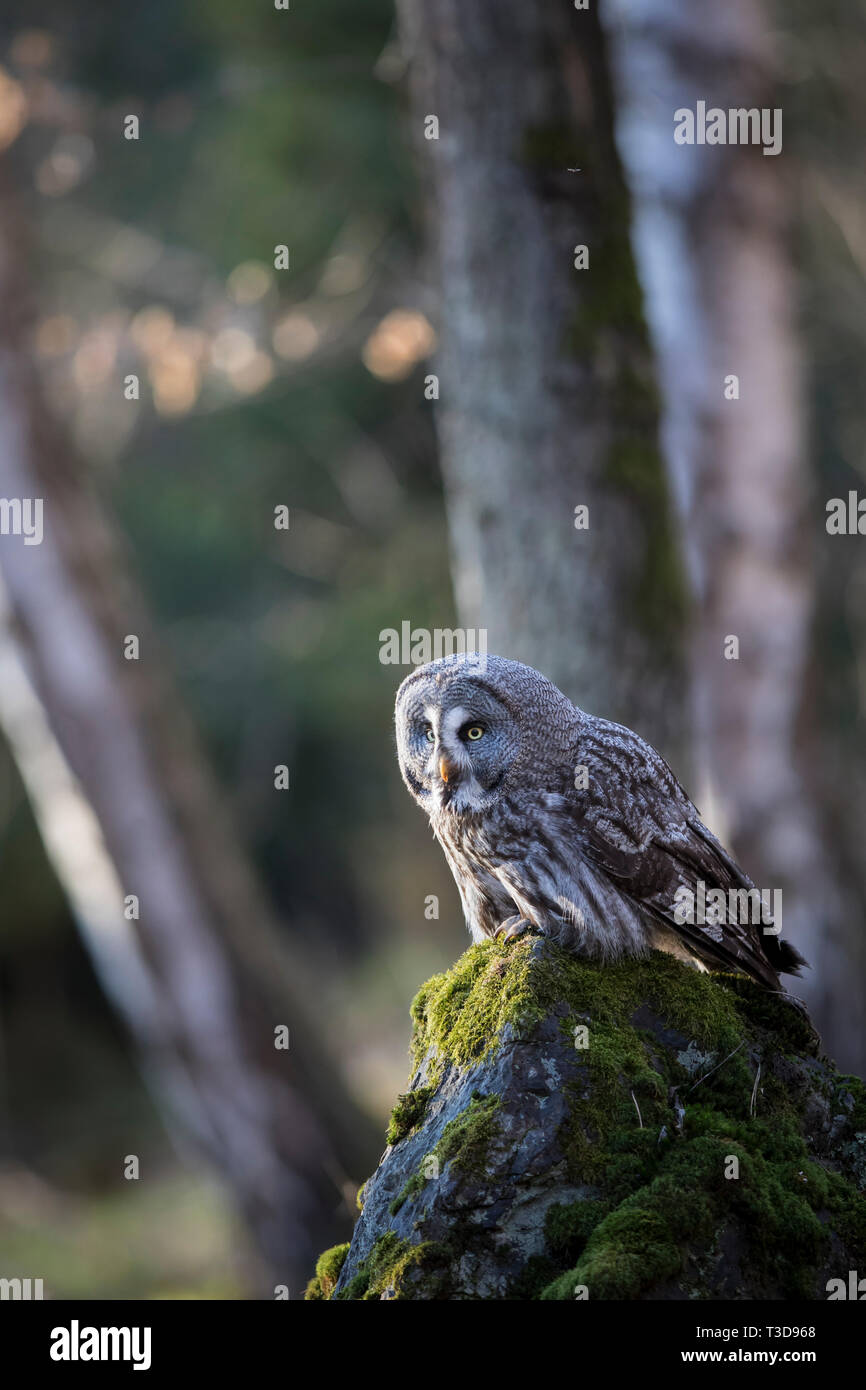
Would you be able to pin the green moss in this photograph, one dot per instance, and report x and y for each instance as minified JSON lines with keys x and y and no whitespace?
{"x":465,"y":1142}
{"x":662,"y":1178}
{"x":410,"y":1189}
{"x":849,"y":1216}
{"x":390,"y":1263}
{"x":407,"y":1113}
{"x":467,"y":1138}
{"x":683,"y":1072}
{"x":642,"y":1242}
{"x":670,"y":1195}
{"x":851,"y":1092}
{"x":328,"y":1267}
{"x":562,"y":1288}
{"x":568,"y":1226}
{"x":792,"y":1029}
{"x":458,"y":1017}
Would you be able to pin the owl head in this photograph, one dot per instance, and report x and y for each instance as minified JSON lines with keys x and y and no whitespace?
{"x":468,"y":730}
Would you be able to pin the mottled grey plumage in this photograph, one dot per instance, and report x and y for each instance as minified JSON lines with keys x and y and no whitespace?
{"x":493,"y":752}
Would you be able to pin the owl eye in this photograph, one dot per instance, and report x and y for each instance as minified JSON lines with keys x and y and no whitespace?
{"x":474,"y":732}
{"x":430,"y":736}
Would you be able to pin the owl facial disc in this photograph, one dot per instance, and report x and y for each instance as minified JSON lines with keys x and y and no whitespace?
{"x":456,"y":740}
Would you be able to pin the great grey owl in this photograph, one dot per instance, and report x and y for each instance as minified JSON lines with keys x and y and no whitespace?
{"x":554,"y":819}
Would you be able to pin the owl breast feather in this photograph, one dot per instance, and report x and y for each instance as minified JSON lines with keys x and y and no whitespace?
{"x":505,"y":864}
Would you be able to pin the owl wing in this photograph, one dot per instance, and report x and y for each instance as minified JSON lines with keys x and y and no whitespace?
{"x":639,"y":827}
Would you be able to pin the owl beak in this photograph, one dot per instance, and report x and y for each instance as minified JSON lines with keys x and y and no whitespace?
{"x":447,"y":769}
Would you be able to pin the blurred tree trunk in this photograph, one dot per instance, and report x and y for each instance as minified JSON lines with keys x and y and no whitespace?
{"x":711,"y":237}
{"x":126,"y":806}
{"x":547,"y":394}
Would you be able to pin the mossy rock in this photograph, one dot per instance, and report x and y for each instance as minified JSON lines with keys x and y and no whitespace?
{"x":328,"y":1267}
{"x":628,"y":1131}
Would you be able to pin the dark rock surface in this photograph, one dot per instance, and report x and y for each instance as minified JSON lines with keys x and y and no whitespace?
{"x":617,"y":1132}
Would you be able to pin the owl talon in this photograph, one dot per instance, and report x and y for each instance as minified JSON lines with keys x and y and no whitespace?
{"x":511,"y":927}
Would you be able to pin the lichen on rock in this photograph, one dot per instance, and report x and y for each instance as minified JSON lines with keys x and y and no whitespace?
{"x":629,"y":1131}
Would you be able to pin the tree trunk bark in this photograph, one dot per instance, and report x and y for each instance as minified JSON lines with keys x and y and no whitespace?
{"x":126,"y":807}
{"x":547,"y":396}
{"x":711,"y":239}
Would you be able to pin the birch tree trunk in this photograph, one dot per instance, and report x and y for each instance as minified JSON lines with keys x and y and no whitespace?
{"x":711,"y":239}
{"x":126,"y":807}
{"x":547,"y":401}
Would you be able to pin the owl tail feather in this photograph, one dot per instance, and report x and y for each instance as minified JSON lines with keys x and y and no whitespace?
{"x":783,"y":957}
